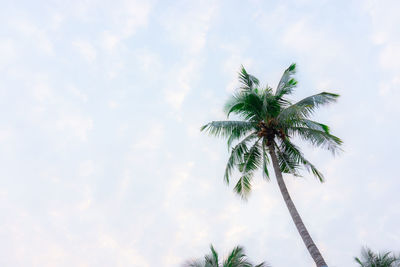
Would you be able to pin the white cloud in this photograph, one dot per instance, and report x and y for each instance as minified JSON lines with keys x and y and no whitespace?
{"x":390,"y":92}
{"x":86,"y":168}
{"x":56,"y":20}
{"x":232,"y":64}
{"x":114,"y":68}
{"x":133,"y":15}
{"x":384,"y":18}
{"x":386,"y":35}
{"x":7,"y":52}
{"x":123,"y":186}
{"x":149,"y":61}
{"x":87,"y":200}
{"x":110,"y":40}
{"x":113,"y":104}
{"x":86,"y":49}
{"x":76,"y":126}
{"x":180,"y":174}
{"x":125,"y":254}
{"x":151,"y":139}
{"x":193,"y":130}
{"x":36,"y":36}
{"x":235,"y":232}
{"x":41,"y":90}
{"x":125,"y":19}
{"x":189,"y":28}
{"x":6,"y":134}
{"x":79,"y":94}
{"x":178,"y":88}
{"x":389,"y":57}
{"x":314,"y":43}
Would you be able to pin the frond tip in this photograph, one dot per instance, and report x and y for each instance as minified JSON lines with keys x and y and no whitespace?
{"x":243,"y":186}
{"x":236,"y":258}
{"x":248,"y":81}
{"x":287,"y":82}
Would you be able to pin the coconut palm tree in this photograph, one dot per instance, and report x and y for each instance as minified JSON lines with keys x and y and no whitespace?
{"x":371,"y":259}
{"x":236,"y":258}
{"x":267,"y":122}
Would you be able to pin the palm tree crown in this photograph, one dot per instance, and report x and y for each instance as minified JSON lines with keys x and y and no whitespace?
{"x":236,"y":258}
{"x":371,"y":259}
{"x":268,"y":118}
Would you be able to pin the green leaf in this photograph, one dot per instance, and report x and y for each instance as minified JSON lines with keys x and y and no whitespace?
{"x":243,"y":186}
{"x":293,"y":153}
{"x":247,"y":80}
{"x":252,"y":158}
{"x":287,"y":82}
{"x":265,"y":162}
{"x":226,"y":129}
{"x":304,"y":108}
{"x":318,"y":138}
{"x":251,"y":162}
{"x":237,"y":156}
{"x":248,"y":105}
{"x":371,"y":259}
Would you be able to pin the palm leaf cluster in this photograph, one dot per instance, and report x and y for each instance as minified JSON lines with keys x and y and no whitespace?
{"x":371,"y":259}
{"x":267,"y":120}
{"x":236,"y":258}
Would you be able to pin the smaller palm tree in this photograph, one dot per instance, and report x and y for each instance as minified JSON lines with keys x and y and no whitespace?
{"x":371,"y":259}
{"x":236,"y":258}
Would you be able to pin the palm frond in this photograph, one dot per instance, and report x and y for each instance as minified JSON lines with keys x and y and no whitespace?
{"x":287,"y":82}
{"x":226,"y":129}
{"x":309,"y":104}
{"x":293,"y":153}
{"x":286,"y":163}
{"x":248,"y":81}
{"x":212,"y":259}
{"x":265,"y":162}
{"x":271,"y":105}
{"x":313,"y":125}
{"x":238,"y":134}
{"x":237,"y":258}
{"x":318,"y":138}
{"x":314,"y":101}
{"x":234,"y":256}
{"x":252,"y":158}
{"x":237,"y":155}
{"x":243,"y":186}
{"x":251,"y":162}
{"x":358,"y":261}
{"x":304,"y":108}
{"x":248,"y":105}
{"x":371,"y":259}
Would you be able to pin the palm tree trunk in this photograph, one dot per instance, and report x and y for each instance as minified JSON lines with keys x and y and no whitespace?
{"x":312,"y":248}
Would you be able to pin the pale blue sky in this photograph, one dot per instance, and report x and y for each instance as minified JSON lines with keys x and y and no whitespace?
{"x":101,"y":158}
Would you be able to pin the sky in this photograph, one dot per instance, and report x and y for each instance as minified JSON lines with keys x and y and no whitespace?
{"x":101,"y":159}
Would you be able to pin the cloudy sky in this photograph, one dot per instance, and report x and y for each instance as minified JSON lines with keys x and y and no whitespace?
{"x":101,"y":158}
